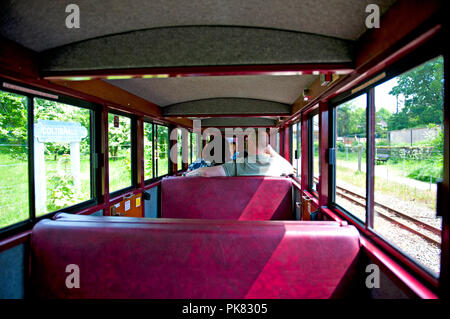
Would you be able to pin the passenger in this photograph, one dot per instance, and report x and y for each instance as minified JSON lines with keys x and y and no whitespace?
{"x":234,"y":152}
{"x":263,"y":161}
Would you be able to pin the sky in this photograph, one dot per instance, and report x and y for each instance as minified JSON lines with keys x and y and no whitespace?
{"x":382,"y":97}
{"x":386,"y":100}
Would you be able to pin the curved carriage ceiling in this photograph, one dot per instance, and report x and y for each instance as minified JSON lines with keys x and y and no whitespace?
{"x":168,"y":91}
{"x":40,"y":24}
{"x":226,"y":107}
{"x":139,"y":34}
{"x":239,"y":122}
{"x":197,"y":46}
{"x":152,"y":34}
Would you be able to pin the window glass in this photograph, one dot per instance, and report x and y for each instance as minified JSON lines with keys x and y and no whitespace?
{"x":163,"y":150}
{"x":119,"y":143}
{"x":296,"y":160}
{"x":409,"y":160}
{"x":294,"y":144}
{"x":180,"y":150}
{"x":62,"y":162}
{"x":315,"y":151}
{"x":13,"y":159}
{"x":277,"y":142}
{"x":148,"y":150}
{"x":190,"y":147}
{"x":194,"y":146}
{"x":350,"y":192}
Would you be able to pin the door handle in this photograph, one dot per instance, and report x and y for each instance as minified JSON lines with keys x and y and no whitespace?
{"x":125,"y":197}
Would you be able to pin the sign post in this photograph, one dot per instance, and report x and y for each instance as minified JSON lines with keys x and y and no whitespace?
{"x":55,"y":132}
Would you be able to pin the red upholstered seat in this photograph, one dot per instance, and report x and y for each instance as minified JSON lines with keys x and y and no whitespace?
{"x":160,"y":258}
{"x":241,"y":198}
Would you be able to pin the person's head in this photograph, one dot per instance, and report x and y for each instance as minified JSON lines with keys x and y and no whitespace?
{"x":233,"y":147}
{"x":257,"y":142}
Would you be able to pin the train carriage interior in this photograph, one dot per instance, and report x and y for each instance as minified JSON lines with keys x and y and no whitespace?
{"x":116,"y":117}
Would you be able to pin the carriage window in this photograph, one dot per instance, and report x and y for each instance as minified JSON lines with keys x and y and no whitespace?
{"x":315,"y":152}
{"x":13,"y":159}
{"x":148,"y":150}
{"x":277,"y":142}
{"x":350,"y":172}
{"x":409,"y":160}
{"x":162,"y":150}
{"x":296,"y":158}
{"x":294,"y":143}
{"x":194,"y":146}
{"x":190,"y":147}
{"x":180,"y":149}
{"x":62,"y":163}
{"x":119,"y":142}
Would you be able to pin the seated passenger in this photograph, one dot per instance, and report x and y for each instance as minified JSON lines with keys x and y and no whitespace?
{"x":263,"y":161}
{"x":234,"y":152}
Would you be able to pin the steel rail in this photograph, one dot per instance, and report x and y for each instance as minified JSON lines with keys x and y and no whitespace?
{"x":392,"y":220}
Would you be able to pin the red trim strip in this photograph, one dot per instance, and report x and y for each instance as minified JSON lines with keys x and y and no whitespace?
{"x":390,"y":265}
{"x":331,"y":214}
{"x":226,"y":70}
{"x":15,"y":240}
{"x":149,"y":186}
{"x":412,"y":283}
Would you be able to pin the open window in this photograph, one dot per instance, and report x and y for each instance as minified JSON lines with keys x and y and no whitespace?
{"x":149,"y":153}
{"x":296,"y":149}
{"x":120,"y":157}
{"x":409,"y":160}
{"x":389,"y":142}
{"x":14,"y":159}
{"x":162,"y":147}
{"x":60,"y":173}
{"x":350,"y":144}
{"x":314,"y":153}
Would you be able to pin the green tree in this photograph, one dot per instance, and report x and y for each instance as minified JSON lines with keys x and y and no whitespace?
{"x":351,"y":120}
{"x":13,"y":124}
{"x":423,"y":91}
{"x":54,"y":111}
{"x":382,"y":119}
{"x":119,"y":138}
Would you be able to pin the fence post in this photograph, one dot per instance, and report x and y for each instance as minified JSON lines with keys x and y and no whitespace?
{"x":359,"y":158}
{"x":404,"y":152}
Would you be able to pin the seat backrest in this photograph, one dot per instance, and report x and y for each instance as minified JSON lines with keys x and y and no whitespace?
{"x":240,"y":198}
{"x":188,"y":259}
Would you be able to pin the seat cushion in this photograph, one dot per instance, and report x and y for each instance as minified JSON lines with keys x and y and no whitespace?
{"x":240,"y":198}
{"x":173,"y":258}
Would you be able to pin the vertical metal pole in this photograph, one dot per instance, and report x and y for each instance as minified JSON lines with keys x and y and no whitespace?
{"x":305,"y":154}
{"x":323,"y":154}
{"x":31,"y":181}
{"x":105,"y":131}
{"x":184,"y":149}
{"x":140,"y":167}
{"x":370,"y":163}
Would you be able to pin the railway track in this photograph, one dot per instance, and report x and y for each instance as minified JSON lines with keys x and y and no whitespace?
{"x":357,"y":200}
{"x":360,"y":201}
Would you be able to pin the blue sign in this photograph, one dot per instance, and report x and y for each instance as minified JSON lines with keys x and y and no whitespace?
{"x":59,"y":132}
